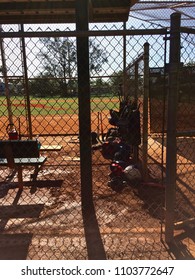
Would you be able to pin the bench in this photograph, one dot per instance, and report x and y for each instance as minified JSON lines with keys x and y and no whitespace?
{"x":19,"y":153}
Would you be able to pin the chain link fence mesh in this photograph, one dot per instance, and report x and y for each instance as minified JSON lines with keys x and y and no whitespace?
{"x":44,"y":220}
{"x":185,"y":199}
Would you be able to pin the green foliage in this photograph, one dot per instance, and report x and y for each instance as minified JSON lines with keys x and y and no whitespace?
{"x":42,"y":87}
{"x":115,"y":80}
{"x":100,"y":87}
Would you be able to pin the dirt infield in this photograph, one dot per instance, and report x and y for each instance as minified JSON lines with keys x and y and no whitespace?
{"x":67,"y":124}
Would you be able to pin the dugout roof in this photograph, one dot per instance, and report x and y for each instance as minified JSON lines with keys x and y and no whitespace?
{"x":62,"y":11}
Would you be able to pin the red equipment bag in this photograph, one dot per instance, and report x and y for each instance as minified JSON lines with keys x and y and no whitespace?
{"x":12,"y":132}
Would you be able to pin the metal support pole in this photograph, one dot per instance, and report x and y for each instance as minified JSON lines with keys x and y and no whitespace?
{"x":145,"y":112}
{"x":136,"y":82}
{"x":84,"y":101}
{"x":26,"y":87}
{"x":94,"y":243}
{"x":125,"y":93}
{"x":171,"y":152}
{"x":4,"y":72}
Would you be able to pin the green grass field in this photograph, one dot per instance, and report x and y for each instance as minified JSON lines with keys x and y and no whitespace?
{"x":55,"y":106}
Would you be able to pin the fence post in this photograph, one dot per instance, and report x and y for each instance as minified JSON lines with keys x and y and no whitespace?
{"x":26,"y":84}
{"x":94,"y":243}
{"x":145,"y":112}
{"x":171,"y":152}
{"x":136,"y":81}
{"x":84,"y":101}
{"x":4,"y":72}
{"x":125,"y":88}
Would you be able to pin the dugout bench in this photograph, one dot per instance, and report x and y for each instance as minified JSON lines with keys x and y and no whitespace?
{"x":19,"y":153}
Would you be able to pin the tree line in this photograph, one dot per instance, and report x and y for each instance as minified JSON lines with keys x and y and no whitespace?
{"x":58,"y":73}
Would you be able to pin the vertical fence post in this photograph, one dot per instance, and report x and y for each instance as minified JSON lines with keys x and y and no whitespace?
{"x":94,"y":243}
{"x":6,"y":81}
{"x":125,"y":91}
{"x":171,"y":152}
{"x":136,"y":81}
{"x":84,"y":102}
{"x":145,"y":112}
{"x":26,"y":87}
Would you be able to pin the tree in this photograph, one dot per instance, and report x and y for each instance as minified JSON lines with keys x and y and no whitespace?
{"x":126,"y":84}
{"x":59,"y":58}
{"x":43,"y":86}
{"x":116,"y":80}
{"x":100,"y":87}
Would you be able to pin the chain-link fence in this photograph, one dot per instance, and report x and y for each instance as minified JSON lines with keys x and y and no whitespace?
{"x":185,"y":199}
{"x":39,"y":99}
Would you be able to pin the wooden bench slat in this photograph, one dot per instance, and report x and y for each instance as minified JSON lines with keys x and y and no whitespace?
{"x":3,"y":161}
{"x":31,"y":161}
{"x":25,"y":161}
{"x":19,"y":148}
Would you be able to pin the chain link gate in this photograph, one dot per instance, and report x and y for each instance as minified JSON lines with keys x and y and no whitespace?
{"x":185,"y":199}
{"x":45,"y":220}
